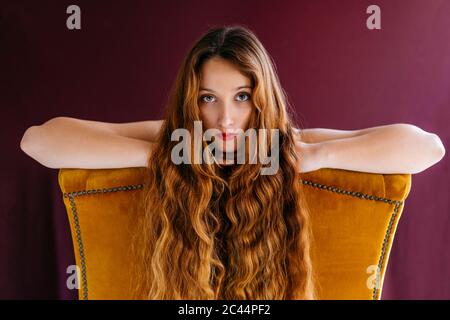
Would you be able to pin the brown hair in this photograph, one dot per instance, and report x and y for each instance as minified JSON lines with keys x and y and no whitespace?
{"x":205,"y":237}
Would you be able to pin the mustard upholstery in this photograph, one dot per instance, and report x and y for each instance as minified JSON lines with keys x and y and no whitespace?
{"x":354,"y":219}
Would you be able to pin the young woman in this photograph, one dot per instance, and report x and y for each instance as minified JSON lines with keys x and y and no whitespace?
{"x":222,"y":230}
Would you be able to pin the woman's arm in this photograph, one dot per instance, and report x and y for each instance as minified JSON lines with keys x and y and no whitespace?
{"x":70,"y":143}
{"x":314,"y":135}
{"x":396,"y":148}
{"x":142,"y":130}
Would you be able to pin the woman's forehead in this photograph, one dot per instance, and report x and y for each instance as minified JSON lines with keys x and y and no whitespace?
{"x":221,"y":74}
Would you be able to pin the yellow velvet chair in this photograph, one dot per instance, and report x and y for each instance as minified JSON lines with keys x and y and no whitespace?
{"x":354,"y":219}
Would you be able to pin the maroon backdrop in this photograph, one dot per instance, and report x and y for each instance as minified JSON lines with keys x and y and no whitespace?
{"x":120,"y":65}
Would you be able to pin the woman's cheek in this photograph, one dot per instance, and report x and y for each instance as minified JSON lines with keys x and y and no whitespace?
{"x":248,"y":113}
{"x":204,"y":115}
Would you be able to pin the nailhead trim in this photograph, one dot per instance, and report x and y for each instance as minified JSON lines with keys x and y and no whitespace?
{"x":71,"y":196}
{"x":376,"y":291}
{"x":397,"y":203}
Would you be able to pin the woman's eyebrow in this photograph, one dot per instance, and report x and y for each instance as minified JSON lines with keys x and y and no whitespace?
{"x":241,"y":87}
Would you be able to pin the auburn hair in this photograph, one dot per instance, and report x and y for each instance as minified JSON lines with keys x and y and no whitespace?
{"x":205,"y":235}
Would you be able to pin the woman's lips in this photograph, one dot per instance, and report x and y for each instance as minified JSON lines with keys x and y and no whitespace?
{"x":227,"y":136}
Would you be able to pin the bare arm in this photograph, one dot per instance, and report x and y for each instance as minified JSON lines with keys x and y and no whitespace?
{"x":141,"y":130}
{"x":64,"y":142}
{"x":396,"y":148}
{"x":314,"y":135}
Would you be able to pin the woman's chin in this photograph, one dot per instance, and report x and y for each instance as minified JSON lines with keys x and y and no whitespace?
{"x":226,"y":162}
{"x":228,"y":150}
{"x":228,"y":156}
{"x":226,"y":147}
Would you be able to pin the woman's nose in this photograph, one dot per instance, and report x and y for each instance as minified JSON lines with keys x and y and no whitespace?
{"x":226,"y":116}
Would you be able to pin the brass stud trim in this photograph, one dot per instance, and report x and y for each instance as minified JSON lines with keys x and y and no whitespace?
{"x":72,"y":196}
{"x":363,"y":196}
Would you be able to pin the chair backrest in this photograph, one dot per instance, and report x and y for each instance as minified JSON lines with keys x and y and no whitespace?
{"x":354,"y":219}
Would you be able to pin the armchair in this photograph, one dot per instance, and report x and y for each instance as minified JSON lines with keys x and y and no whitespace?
{"x":354,"y":219}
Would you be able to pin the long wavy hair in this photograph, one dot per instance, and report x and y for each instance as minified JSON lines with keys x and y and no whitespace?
{"x":206,"y":235}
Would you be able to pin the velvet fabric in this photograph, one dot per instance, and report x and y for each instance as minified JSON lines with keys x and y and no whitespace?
{"x":354,"y":220}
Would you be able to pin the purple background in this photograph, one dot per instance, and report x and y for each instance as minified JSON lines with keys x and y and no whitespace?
{"x":120,"y":65}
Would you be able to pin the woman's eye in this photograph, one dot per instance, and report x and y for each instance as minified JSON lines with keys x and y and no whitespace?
{"x":245,"y":95}
{"x":207,"y":98}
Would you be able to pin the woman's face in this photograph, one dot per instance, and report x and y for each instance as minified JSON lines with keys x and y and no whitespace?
{"x":224,"y":100}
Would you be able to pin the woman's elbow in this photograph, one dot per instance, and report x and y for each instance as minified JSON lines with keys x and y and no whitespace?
{"x":27,"y":142}
{"x":432,"y":152}
{"x":31,"y":145}
{"x":36,"y":137}
{"x":438,"y":147}
{"x":435,"y":153}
